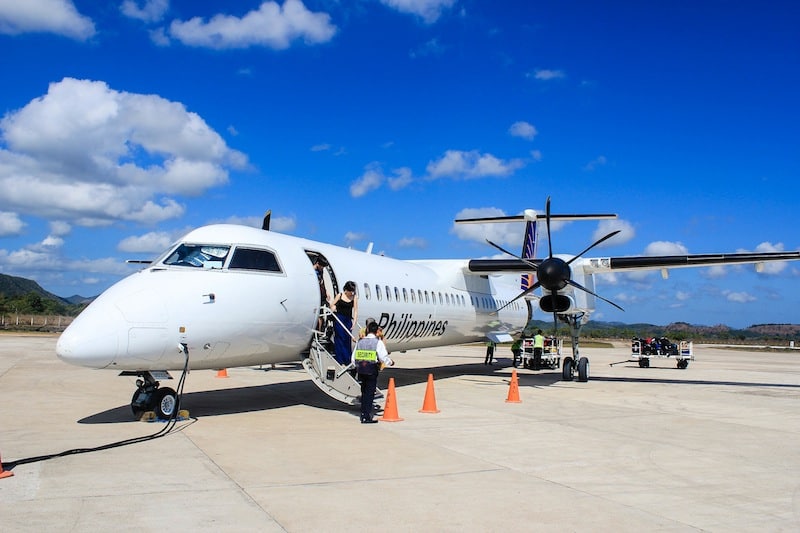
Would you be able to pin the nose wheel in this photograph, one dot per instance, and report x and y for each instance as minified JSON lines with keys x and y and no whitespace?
{"x":163,"y":401}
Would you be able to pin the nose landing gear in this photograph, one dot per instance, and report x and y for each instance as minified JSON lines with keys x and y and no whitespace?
{"x":150,"y":397}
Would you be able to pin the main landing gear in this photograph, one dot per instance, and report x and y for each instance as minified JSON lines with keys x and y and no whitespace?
{"x":150,"y":397}
{"x":576,"y":363}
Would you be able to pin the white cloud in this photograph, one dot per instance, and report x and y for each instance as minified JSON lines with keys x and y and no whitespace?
{"x":271,"y":25}
{"x":60,"y":228}
{"x":428,"y":10}
{"x":10,"y":224}
{"x":321,"y":147}
{"x":279,"y":224}
{"x":90,"y":155}
{"x":511,"y":233}
{"x":402,"y":178}
{"x":352,"y":237}
{"x":147,"y":10}
{"x":523,"y":129}
{"x":665,"y":248}
{"x":596,"y":162}
{"x":738,"y":297}
{"x":49,"y":16}
{"x":774,"y":267}
{"x":546,"y":74}
{"x":374,"y":177}
{"x":458,"y":164}
{"x":369,"y":181}
{"x":412,"y":242}
{"x":153,"y":242}
{"x":626,"y":232}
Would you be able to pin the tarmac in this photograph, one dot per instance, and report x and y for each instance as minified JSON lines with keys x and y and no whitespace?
{"x":714,"y":447}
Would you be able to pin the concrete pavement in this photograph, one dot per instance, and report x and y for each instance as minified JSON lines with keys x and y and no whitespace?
{"x":714,"y":447}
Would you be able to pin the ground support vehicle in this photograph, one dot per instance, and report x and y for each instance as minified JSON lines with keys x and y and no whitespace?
{"x":551,"y":353}
{"x":643,"y":350}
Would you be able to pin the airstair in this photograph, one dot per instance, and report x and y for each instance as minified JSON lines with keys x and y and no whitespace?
{"x":335,"y":380}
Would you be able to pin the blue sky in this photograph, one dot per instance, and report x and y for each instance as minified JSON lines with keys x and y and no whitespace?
{"x":126,"y":123}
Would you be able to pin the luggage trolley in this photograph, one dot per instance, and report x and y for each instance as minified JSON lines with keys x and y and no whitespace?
{"x":551,"y":353}
{"x":643,"y":350}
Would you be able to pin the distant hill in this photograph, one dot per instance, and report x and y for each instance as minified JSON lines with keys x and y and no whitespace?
{"x":79,"y":300}
{"x":679,"y":331}
{"x":14,"y":287}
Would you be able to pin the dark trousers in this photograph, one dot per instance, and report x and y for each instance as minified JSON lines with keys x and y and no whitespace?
{"x":537,"y":358}
{"x":368,"y":384}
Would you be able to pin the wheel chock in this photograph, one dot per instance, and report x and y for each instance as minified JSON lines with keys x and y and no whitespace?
{"x":148,"y":416}
{"x":183,"y":414}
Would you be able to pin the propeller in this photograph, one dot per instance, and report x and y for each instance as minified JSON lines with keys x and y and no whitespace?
{"x":553,"y":274}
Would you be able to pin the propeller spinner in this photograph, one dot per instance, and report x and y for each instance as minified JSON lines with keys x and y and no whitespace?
{"x":553,"y":274}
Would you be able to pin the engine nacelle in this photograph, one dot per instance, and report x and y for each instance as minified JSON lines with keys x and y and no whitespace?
{"x":559,"y":303}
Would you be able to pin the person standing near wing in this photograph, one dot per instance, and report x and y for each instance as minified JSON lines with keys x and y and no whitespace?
{"x":367,"y":356}
{"x":538,"y":348}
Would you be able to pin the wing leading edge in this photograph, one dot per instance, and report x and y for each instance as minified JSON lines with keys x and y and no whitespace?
{"x":644,"y":262}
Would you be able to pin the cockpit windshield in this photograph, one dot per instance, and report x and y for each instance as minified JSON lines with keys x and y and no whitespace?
{"x":198,"y":256}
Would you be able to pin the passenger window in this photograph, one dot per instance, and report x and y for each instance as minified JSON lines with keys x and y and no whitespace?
{"x":250,"y":259}
{"x":388,"y":294}
{"x":405,"y":295}
{"x":378,"y":292}
{"x":396,"y":294}
{"x":427,"y":299}
{"x":198,"y":256}
{"x":413,"y":297}
{"x":367,"y":294}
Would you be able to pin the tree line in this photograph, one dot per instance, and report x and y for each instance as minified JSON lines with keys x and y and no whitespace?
{"x":33,"y":303}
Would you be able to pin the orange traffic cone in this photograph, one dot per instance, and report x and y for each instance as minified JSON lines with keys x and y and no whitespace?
{"x":429,"y":404}
{"x":222,"y":373}
{"x":4,"y":473}
{"x":390,"y":409}
{"x":513,"y":389}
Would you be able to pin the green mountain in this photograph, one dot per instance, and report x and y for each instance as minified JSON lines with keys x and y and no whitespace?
{"x":21,"y":295}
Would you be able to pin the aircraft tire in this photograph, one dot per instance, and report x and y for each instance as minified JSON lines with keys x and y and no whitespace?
{"x":568,"y":370}
{"x":137,"y":404}
{"x":165,"y":401}
{"x":583,"y":369}
{"x":683,"y":363}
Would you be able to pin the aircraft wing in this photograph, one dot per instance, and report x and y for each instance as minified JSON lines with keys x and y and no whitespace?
{"x":642,"y":262}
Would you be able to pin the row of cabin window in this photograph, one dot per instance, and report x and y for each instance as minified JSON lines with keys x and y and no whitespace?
{"x":415,"y":295}
{"x":432,"y":297}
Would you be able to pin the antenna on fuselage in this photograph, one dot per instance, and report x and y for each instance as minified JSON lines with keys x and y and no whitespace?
{"x":265,"y":223}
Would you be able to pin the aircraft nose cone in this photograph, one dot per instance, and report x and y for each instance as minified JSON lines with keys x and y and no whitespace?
{"x":93,"y":338}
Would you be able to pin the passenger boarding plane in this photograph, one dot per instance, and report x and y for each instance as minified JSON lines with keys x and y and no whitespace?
{"x":225,"y":296}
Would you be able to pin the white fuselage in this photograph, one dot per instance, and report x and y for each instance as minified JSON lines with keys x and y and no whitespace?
{"x":253,"y":298}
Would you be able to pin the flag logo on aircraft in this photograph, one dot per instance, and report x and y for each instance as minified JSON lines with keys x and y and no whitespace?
{"x":528,"y":252}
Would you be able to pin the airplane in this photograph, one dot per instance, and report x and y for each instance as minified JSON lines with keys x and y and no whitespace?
{"x":227,"y":296}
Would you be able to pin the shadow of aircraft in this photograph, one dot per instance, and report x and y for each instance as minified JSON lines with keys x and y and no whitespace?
{"x":279,"y":395}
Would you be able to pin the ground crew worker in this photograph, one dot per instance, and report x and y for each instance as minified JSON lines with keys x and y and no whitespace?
{"x":516,"y":349}
{"x":538,"y":348}
{"x":367,"y":356}
{"x":489,"y":353}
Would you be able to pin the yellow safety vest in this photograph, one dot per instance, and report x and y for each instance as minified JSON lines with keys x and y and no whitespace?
{"x":538,"y":341}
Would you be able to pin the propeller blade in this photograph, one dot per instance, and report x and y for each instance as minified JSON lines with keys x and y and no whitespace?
{"x":520,"y":295}
{"x":584,"y":289}
{"x":595,"y":244}
{"x":534,"y":266}
{"x":549,"y":242}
